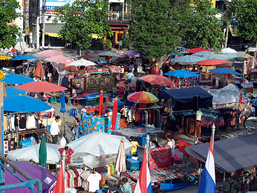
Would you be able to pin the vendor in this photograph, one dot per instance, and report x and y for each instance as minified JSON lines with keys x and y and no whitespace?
{"x":135,"y":145}
{"x":124,"y":185}
{"x":171,"y":143}
{"x":154,"y":144}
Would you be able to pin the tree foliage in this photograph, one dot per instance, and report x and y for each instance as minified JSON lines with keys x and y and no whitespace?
{"x":8,"y":31}
{"x":204,"y":28}
{"x":82,"y":19}
{"x":244,"y":13}
{"x":156,"y":26}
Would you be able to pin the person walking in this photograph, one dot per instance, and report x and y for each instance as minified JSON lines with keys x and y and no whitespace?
{"x":55,"y":131}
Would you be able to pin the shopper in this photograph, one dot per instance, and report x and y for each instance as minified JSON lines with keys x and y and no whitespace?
{"x":55,"y":131}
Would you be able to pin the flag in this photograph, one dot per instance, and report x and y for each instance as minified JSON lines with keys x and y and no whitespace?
{"x":207,"y":184}
{"x":144,"y":180}
{"x":60,"y":184}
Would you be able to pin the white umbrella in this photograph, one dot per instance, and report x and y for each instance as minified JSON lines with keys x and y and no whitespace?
{"x":31,"y":153}
{"x":82,"y":62}
{"x":228,"y":50}
{"x":97,"y":149}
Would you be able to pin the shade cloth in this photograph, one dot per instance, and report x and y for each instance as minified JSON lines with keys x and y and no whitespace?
{"x":24,"y":57}
{"x":16,"y":79}
{"x":213,"y":62}
{"x":225,"y":71}
{"x":48,"y":53}
{"x":229,"y":154}
{"x":36,"y":172}
{"x":195,"y":50}
{"x":183,"y":99}
{"x":14,"y":91}
{"x":182,"y":73}
{"x":41,"y":86}
{"x":24,"y":104}
{"x":157,"y":79}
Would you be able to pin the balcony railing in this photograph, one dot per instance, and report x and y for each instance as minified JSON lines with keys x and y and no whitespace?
{"x":118,"y":17}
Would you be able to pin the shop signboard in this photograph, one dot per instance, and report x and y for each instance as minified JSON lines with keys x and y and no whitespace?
{"x":52,"y":4}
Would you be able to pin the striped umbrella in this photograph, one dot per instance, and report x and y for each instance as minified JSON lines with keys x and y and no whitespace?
{"x":142,"y":97}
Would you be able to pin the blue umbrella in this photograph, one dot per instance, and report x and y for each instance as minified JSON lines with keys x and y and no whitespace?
{"x":16,"y":79}
{"x":24,"y":57}
{"x":182,"y":73}
{"x":14,"y":91}
{"x":174,"y":54}
{"x":63,"y":110}
{"x":202,"y":54}
{"x":24,"y":104}
{"x":225,"y":71}
{"x":187,"y":60}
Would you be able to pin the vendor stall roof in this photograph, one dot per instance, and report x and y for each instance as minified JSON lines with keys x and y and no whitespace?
{"x":183,"y":99}
{"x":230,"y":154}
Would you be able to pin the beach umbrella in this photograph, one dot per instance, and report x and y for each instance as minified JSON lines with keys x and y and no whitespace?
{"x":97,"y":149}
{"x":24,"y":104}
{"x":48,"y":53}
{"x":41,"y":86}
{"x":132,"y":54}
{"x":101,"y":99}
{"x":60,"y":59}
{"x":121,"y":158}
{"x":202,"y":54}
{"x":195,"y":50}
{"x":186,"y":60}
{"x":114,"y":114}
{"x":217,"y":56}
{"x":16,"y":79}
{"x":24,"y":57}
{"x":43,"y":153}
{"x":225,"y":71}
{"x":87,"y":56}
{"x":228,"y":50}
{"x":14,"y":91}
{"x":39,"y":72}
{"x":36,"y":172}
{"x":82,"y":62}
{"x":32,"y":153}
{"x":156,"y":79}
{"x":174,"y":54}
{"x":142,"y":97}
{"x":213,"y":62}
{"x":182,"y":74}
{"x":5,"y":57}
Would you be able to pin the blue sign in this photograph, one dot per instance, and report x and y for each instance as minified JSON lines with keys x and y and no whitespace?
{"x":57,"y":1}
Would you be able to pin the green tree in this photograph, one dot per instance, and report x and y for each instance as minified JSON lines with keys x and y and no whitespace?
{"x":244,"y":12}
{"x":204,"y":29}
{"x":156,"y":26}
{"x":8,"y":32}
{"x":82,"y":19}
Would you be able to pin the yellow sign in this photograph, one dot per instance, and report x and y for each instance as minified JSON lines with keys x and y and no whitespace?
{"x":1,"y":75}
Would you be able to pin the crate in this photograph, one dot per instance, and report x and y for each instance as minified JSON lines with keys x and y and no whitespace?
{"x":142,"y":140}
{"x":134,"y":163}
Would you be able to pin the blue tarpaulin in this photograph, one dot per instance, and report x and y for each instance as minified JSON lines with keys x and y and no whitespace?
{"x":183,"y":99}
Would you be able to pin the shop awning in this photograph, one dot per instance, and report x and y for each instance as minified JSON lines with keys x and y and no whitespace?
{"x":52,"y":34}
{"x":52,"y":30}
{"x":182,"y":99}
{"x":229,"y":154}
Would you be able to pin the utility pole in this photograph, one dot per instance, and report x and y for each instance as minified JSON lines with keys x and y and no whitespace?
{"x":226,"y":40}
{"x":44,"y":23}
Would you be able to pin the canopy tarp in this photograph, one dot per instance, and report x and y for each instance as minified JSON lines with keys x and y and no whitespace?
{"x":182,"y":99}
{"x":229,"y":154}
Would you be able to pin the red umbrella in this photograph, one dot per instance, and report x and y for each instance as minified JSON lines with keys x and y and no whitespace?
{"x":40,"y":86}
{"x":157,"y":79}
{"x":39,"y":72}
{"x":213,"y":62}
{"x":48,"y":53}
{"x":114,"y":113}
{"x":101,"y":102}
{"x":195,"y":50}
{"x":60,"y":59}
